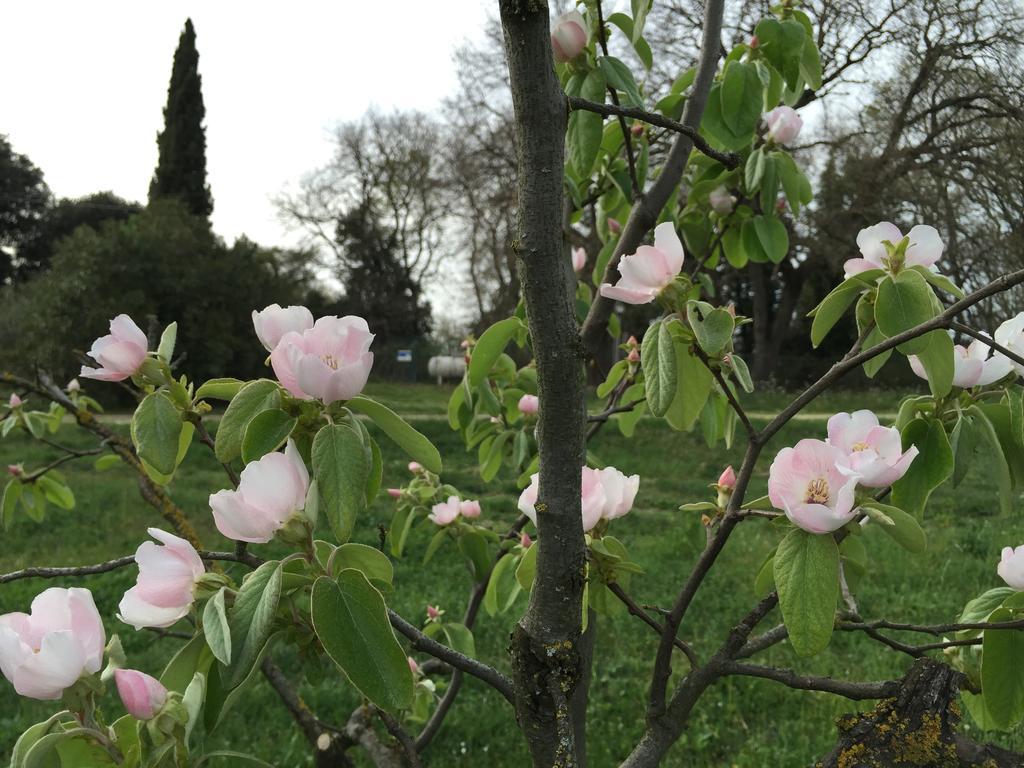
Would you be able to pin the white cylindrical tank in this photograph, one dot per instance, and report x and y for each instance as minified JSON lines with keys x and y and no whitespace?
{"x":444,"y":367}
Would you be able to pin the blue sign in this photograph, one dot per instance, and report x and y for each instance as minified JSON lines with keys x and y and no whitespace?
{"x":404,"y":356}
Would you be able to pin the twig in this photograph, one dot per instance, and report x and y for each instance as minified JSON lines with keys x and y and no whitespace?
{"x":35,"y":474}
{"x":626,"y":138}
{"x":728,"y":159}
{"x":765,"y":640}
{"x":641,"y":614}
{"x":733,"y":402}
{"x":607,"y":413}
{"x":477,"y":669}
{"x":54,"y":572}
{"x":967,"y":330}
{"x":402,"y":737}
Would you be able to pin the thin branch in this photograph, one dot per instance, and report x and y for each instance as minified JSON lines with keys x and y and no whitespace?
{"x":850,"y":362}
{"x":645,"y":617}
{"x":35,"y":474}
{"x":477,"y":669}
{"x":733,"y":402}
{"x":607,"y":413}
{"x":728,"y":159}
{"x":626,"y":138}
{"x":857,"y":691}
{"x":765,"y":640}
{"x":402,"y":736}
{"x":56,"y":572}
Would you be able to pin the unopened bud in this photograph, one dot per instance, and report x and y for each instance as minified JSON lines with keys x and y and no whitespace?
{"x":728,"y":478}
{"x":433,"y":612}
{"x":633,"y":356}
{"x":413,"y":666}
{"x":395,"y":493}
{"x":637,"y":129}
{"x":15,"y":401}
{"x":73,"y":386}
{"x":15,"y":469}
{"x":525,"y":541}
{"x":613,"y":226}
{"x":754,"y":42}
{"x":415,"y":467}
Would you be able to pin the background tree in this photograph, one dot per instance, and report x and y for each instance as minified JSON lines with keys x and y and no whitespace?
{"x":181,"y":167}
{"x":24,"y":199}
{"x":63,"y":218}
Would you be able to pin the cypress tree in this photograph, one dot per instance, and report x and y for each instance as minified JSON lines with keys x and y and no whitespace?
{"x":181,"y":167}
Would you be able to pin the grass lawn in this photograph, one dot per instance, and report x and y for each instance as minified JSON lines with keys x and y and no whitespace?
{"x":739,"y":722}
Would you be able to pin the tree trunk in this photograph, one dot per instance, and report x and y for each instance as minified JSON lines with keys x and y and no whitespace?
{"x":547,"y":661}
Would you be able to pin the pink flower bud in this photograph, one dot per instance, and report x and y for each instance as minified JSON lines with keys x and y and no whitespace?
{"x":395,"y":493}
{"x":120,"y":354}
{"x":579,"y":259}
{"x":633,"y":356}
{"x":470,"y":508}
{"x":141,"y":694}
{"x":637,"y":129}
{"x":433,"y":612}
{"x":632,"y":341}
{"x":645,"y":273}
{"x":754,"y":42}
{"x":329,"y":362}
{"x":613,"y":226}
{"x":569,"y":36}
{"x":415,"y":467}
{"x":529,"y":404}
{"x":73,"y":386}
{"x":47,"y":650}
{"x":464,"y":344}
{"x":728,"y":478}
{"x":15,"y":401}
{"x":413,"y":666}
{"x":15,"y":469}
{"x":525,"y":541}
{"x":780,"y":205}
{"x":731,"y":309}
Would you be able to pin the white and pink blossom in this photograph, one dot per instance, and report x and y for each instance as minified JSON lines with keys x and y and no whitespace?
{"x":784,"y":125}
{"x":604,"y":494}
{"x":579,"y":259}
{"x":47,"y":650}
{"x":470,"y":509}
{"x":165,"y":589}
{"x":270,"y":491}
{"x":972,"y":365}
{"x":330,"y":361}
{"x":874,"y":454}
{"x":1011,"y":567}
{"x":529,"y":404}
{"x":923,"y":250}
{"x":721,"y":201}
{"x":445,"y":512}
{"x":1011,"y":335}
{"x":644,"y":274}
{"x":120,"y":353}
{"x":806,"y":482}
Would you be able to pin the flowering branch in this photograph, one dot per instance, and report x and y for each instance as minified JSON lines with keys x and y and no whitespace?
{"x":56,"y":572}
{"x":966,"y":329}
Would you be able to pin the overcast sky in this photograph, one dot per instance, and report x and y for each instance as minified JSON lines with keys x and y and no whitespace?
{"x":83,"y":87}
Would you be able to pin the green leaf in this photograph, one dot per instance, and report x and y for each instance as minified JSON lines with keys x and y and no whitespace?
{"x":806,"y":573}
{"x":489,"y":347}
{"x":156,"y":427}
{"x":12,"y":493}
{"x":658,"y":361}
{"x":937,"y":359}
{"x":874,"y":365}
{"x":995,"y":458}
{"x":219,"y":389}
{"x":255,"y":397}
{"x":810,"y":64}
{"x":753,"y":170}
{"x":216,"y":629}
{"x":764,"y":582}
{"x":741,"y":99}
{"x":584,"y":141}
{"x":903,"y":528}
{"x":460,"y":638}
{"x":1002,"y":673}
{"x":981,"y":607}
{"x":741,"y":372}
{"x":168,"y":338}
{"x":413,"y":442}
{"x":369,"y":561}
{"x":526,"y":571}
{"x":32,"y":735}
{"x":351,"y":620}
{"x":773,"y":237}
{"x":341,"y":466}
{"x":941,"y":282}
{"x":251,"y":620}
{"x":712,"y":326}
{"x":904,"y":302}
{"x":503,"y":587}
{"x":618,"y":76}
{"x":615,"y":375}
{"x":56,"y":492}
{"x":929,"y":470}
{"x":473,"y":546}
{"x":265,"y":433}
{"x":835,"y":304}
{"x":194,"y":656}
